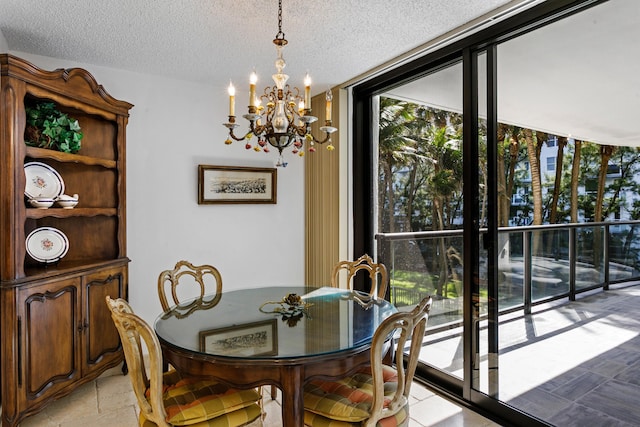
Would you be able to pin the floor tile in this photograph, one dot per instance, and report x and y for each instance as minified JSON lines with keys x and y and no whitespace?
{"x":437,"y":411}
{"x":616,"y":398}
{"x":580,"y":416}
{"x":580,"y":386}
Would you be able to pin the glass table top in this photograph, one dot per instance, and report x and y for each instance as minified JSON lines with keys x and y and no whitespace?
{"x":254,"y":323}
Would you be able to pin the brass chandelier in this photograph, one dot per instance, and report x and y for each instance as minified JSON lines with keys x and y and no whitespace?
{"x":287,"y":118}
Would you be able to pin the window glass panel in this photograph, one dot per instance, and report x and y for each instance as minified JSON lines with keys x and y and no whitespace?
{"x":420,"y":191}
{"x":549,"y":346}
{"x":551,"y":164}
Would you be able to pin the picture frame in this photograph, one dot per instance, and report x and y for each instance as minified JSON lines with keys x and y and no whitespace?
{"x":246,"y":340}
{"x":236,"y":184}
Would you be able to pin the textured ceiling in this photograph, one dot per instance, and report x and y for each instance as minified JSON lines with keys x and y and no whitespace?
{"x":576,"y":77}
{"x":213,"y":41}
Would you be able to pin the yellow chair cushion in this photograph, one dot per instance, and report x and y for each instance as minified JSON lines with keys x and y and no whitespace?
{"x":238,"y":417}
{"x":348,"y":400}
{"x":315,"y":420}
{"x":190,"y":401}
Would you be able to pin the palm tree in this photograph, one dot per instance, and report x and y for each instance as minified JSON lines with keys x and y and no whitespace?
{"x":420,"y":172}
{"x":553,"y":210}
{"x":575,"y":176}
{"x":504,"y":198}
{"x":533,"y":151}
{"x":534,"y":146}
{"x":444,"y":185}
{"x":606,"y":151}
{"x":393,"y":144}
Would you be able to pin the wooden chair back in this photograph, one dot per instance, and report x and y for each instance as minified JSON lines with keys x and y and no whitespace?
{"x":407,"y":327}
{"x":189,"y":287}
{"x":185,"y":301}
{"x":133,"y":332}
{"x":377,"y":273}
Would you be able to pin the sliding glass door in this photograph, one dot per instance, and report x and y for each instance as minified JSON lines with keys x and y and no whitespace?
{"x":463,"y":183}
{"x":566,"y":101}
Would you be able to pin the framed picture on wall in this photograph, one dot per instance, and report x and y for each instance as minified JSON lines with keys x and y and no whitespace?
{"x":236,"y":184}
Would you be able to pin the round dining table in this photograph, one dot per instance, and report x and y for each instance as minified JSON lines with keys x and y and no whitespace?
{"x":277,"y":335}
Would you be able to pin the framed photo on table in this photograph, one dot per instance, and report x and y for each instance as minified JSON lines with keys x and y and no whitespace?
{"x":236,"y":184}
{"x":247,"y":340}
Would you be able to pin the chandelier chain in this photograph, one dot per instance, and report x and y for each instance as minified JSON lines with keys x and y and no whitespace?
{"x":280,"y":35}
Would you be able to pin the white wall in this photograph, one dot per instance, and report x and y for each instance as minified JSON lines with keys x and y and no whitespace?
{"x":173,"y":127}
{"x":4,"y":47}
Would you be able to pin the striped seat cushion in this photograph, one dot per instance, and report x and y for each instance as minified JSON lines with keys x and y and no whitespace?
{"x":347,"y":402}
{"x":315,"y":420}
{"x":201,"y":402}
{"x":238,"y":417}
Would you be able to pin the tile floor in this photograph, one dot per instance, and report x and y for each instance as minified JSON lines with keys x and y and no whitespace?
{"x":584,"y":359}
{"x":568,"y":363}
{"x":109,"y":402}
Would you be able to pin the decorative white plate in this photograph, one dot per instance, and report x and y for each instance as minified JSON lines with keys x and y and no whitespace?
{"x":47,"y":244}
{"x":42,"y":181}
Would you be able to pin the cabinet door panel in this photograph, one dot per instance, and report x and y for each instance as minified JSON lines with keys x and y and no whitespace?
{"x":101,"y":337}
{"x":50,"y":322}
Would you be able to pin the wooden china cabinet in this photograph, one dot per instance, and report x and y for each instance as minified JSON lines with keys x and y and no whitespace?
{"x":56,"y":331}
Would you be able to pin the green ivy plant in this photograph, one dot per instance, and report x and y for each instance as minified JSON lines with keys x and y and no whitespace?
{"x":47,"y":127}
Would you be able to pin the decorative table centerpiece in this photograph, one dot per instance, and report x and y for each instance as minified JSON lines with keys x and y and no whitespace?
{"x":292,"y":308}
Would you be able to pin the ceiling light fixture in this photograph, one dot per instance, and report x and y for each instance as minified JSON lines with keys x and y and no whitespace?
{"x":284,"y":107}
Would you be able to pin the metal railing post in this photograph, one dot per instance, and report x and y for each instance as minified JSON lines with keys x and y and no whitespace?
{"x":572,"y":264}
{"x":526,"y":258}
{"x":607,"y":241}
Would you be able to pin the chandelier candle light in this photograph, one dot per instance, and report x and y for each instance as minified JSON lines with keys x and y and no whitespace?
{"x":280,"y":129}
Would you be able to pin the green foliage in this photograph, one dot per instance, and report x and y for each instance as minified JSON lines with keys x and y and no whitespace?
{"x":420,"y":176}
{"x":47,"y":127}
{"x":420,"y":284}
{"x":616,"y":189}
{"x":410,"y":279}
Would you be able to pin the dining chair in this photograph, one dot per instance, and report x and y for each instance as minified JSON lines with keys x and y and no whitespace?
{"x":377,"y":272}
{"x":189,"y":287}
{"x":170,"y":399}
{"x":378,"y":393}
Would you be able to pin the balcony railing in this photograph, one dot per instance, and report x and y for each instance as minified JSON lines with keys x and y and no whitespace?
{"x":536,"y":264}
